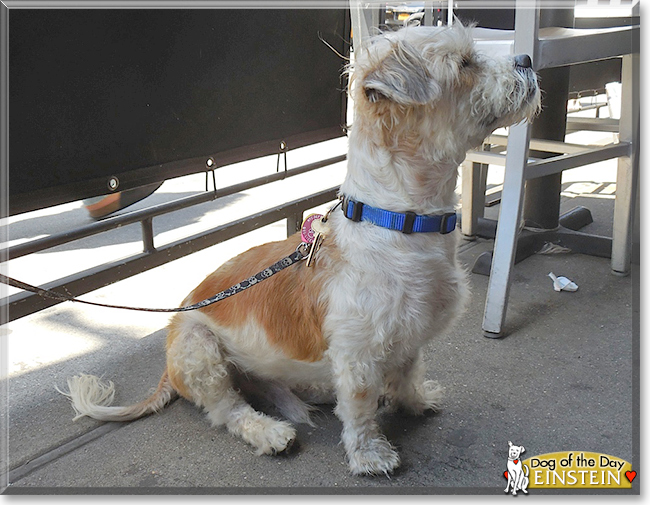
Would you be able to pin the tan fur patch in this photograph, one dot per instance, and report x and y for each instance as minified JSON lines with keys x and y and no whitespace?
{"x":285,"y":305}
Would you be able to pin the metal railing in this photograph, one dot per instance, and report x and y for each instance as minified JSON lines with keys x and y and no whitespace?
{"x":23,"y":303}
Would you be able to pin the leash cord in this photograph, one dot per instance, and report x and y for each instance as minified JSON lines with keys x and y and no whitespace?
{"x":300,"y":253}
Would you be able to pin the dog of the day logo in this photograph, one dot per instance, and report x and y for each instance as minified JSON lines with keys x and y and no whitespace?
{"x":517,"y":472}
{"x":566,"y":470}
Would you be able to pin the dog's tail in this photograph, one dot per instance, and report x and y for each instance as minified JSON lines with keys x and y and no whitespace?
{"x":92,"y":397}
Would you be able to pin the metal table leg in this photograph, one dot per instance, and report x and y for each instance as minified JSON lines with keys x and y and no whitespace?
{"x":627,"y":176}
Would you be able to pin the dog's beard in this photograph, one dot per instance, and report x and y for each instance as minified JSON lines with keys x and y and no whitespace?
{"x":528,"y":87}
{"x":522,"y":102}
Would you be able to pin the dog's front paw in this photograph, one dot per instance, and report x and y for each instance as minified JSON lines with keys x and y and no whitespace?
{"x":373,"y":458}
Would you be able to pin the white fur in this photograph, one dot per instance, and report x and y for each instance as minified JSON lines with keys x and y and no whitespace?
{"x":422,"y":98}
{"x":92,"y":397}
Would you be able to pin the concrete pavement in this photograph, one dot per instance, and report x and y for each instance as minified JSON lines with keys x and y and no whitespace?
{"x":562,"y":379}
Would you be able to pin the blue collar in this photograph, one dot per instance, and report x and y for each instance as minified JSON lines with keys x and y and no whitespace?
{"x":407,"y":222}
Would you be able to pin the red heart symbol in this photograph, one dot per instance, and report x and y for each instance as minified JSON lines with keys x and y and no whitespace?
{"x":630,"y":475}
{"x":516,"y":461}
{"x":505,"y":474}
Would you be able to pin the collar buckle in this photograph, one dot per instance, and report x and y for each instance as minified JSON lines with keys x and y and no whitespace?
{"x":409,"y":219}
{"x":352,"y":213}
{"x":444,"y":221}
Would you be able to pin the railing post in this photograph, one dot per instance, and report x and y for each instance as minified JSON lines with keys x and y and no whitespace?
{"x":294,"y":223}
{"x":147,"y":235}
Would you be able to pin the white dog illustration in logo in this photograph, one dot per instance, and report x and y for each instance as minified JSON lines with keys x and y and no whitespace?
{"x":517,"y":473}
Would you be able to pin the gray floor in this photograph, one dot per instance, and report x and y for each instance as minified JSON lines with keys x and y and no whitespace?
{"x":562,"y":379}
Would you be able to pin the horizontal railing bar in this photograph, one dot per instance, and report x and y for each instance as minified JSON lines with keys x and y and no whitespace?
{"x":593,"y":124}
{"x":571,"y":159}
{"x":115,"y":222}
{"x":559,"y":47}
{"x":24,"y":303}
{"x":553,"y":146}
{"x":488,"y":158}
{"x":558,"y":164}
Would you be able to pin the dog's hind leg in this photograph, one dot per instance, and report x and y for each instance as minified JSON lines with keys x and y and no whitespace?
{"x":407,"y":388}
{"x":200,"y":372}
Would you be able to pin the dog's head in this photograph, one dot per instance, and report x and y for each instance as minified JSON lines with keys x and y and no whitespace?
{"x":429,"y":87}
{"x":514,"y":451}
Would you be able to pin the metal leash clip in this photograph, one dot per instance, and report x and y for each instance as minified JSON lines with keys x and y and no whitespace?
{"x":314,"y":229}
{"x":304,"y":249}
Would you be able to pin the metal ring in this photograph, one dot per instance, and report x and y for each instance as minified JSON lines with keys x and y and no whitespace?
{"x":303,"y":248}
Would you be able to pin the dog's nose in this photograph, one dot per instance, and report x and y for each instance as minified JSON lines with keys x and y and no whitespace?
{"x":523,"y":61}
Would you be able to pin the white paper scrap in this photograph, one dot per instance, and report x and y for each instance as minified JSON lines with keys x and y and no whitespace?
{"x":562,"y":283}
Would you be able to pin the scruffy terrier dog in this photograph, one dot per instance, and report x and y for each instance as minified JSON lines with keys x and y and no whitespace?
{"x":385,"y":281}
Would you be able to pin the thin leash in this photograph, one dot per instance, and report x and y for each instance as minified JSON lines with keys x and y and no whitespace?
{"x":304,"y":251}
{"x":301,"y":253}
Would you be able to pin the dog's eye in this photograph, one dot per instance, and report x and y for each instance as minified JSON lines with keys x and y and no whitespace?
{"x":373,"y":95}
{"x":465,"y":62}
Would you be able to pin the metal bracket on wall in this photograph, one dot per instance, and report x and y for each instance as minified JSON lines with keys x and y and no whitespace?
{"x":282,"y":152}
{"x":211,"y":166}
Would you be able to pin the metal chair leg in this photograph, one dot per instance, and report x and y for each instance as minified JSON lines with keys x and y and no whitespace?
{"x":506,"y":238}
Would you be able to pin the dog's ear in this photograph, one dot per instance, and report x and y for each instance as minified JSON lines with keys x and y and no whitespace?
{"x":522,"y":448}
{"x":401,"y":77}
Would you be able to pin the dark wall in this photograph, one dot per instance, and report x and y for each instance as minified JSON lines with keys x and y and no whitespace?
{"x":145,"y":95}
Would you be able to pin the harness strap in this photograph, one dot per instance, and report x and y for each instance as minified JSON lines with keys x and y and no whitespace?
{"x":300,"y":253}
